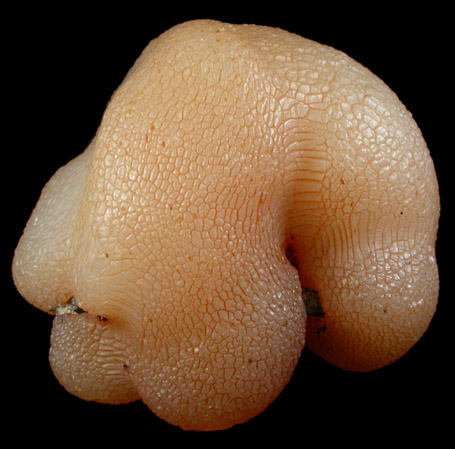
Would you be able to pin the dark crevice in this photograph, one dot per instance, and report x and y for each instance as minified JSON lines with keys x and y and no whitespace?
{"x":290,"y":255}
{"x":310,"y":296}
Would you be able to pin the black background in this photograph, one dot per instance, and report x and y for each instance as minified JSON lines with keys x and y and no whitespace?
{"x":60,"y":67}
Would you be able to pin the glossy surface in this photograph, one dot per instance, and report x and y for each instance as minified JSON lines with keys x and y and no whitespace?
{"x":226,"y":151}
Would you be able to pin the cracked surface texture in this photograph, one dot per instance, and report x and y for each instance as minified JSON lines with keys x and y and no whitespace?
{"x":234,"y":166}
